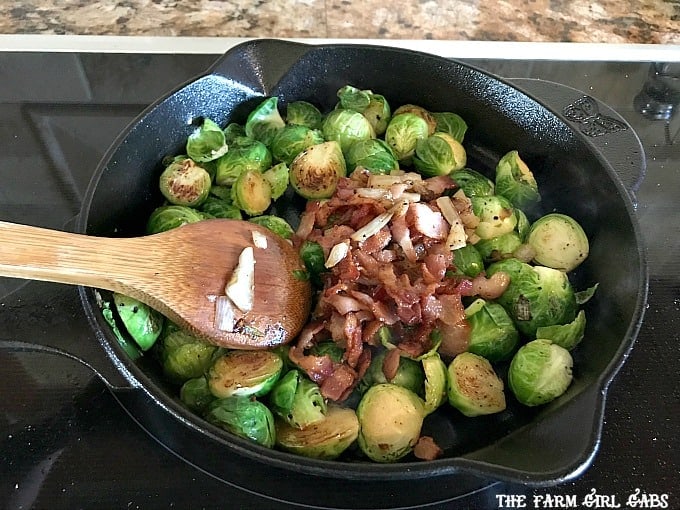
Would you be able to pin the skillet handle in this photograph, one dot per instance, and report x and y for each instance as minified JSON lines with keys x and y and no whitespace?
{"x":603,"y":128}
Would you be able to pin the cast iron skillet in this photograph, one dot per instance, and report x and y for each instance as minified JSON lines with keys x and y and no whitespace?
{"x":540,"y":446}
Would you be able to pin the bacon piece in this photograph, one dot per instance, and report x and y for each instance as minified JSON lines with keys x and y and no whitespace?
{"x":402,"y":236}
{"x":439,"y":184}
{"x":353,"y":338}
{"x":390,"y":365}
{"x":427,"y":449}
{"x":428,"y":222}
{"x":339,"y":383}
{"x":488,"y":288}
{"x":455,"y":338}
{"x":317,"y":368}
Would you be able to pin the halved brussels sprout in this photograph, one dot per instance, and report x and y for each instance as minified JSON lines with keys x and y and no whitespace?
{"x":403,"y":132}
{"x":373,"y":154}
{"x":167,"y":217}
{"x":516,"y":182}
{"x":219,"y":208}
{"x":184,"y":356}
{"x":325,"y":439}
{"x":195,"y":394}
{"x":451,"y":123}
{"x":468,"y":260}
{"x":140,"y":320}
{"x":315,"y":172}
{"x":372,"y":106}
{"x":439,"y":154}
{"x":558,"y":241}
{"x":233,"y":131}
{"x":244,"y":373}
{"x":499,"y":247}
{"x":251,"y":193}
{"x":537,"y":296}
{"x":275,"y":224}
{"x":474,"y":388}
{"x":539,"y":372}
{"x":278,"y":179}
{"x":244,"y":155}
{"x":496,"y":216}
{"x":264,"y":121}
{"x":390,"y":419}
{"x":302,"y":113}
{"x":183,"y":182}
{"x":492,"y":332}
{"x":473,"y":183}
{"x":351,"y":98}
{"x":421,"y":112}
{"x":436,"y":382}
{"x":130,"y":347}
{"x":207,"y":142}
{"x":292,"y":140}
{"x":409,"y":374}
{"x":297,"y":400}
{"x":313,"y":257}
{"x":243,"y":417}
{"x":565,"y":335}
{"x":346,"y":127}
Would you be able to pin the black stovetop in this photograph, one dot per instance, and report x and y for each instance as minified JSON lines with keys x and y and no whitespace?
{"x":66,"y":443}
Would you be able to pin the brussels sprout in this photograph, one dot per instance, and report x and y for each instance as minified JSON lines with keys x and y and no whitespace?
{"x":496,"y":216}
{"x":474,"y":388}
{"x":167,"y":217}
{"x":244,"y":154}
{"x":185,"y":356}
{"x":292,"y":140}
{"x":468,"y":261}
{"x":207,"y":142}
{"x":373,"y":154}
{"x":421,"y":112}
{"x":450,"y":123}
{"x":297,"y":400}
{"x":410,"y":374}
{"x":251,"y":193}
{"x":374,"y":107}
{"x":315,"y":172}
{"x":499,"y":247}
{"x":140,"y":320}
{"x":346,"y":127}
{"x":492,"y":332}
{"x":275,"y":224}
{"x":351,"y":98}
{"x":195,"y":394}
{"x":244,"y":373}
{"x":233,"y":131}
{"x":243,"y":417}
{"x":583,"y":296}
{"x":537,"y":296}
{"x":390,"y":420}
{"x":218,"y":208}
{"x":565,"y":335}
{"x":436,"y":381}
{"x":558,"y":241}
{"x":473,"y":183}
{"x":439,"y":154}
{"x":328,"y":348}
{"x":314,"y":260}
{"x":264,"y":121}
{"x":302,"y":113}
{"x":539,"y":372}
{"x":185,"y":183}
{"x":403,"y":132}
{"x":325,"y":439}
{"x":130,"y":348}
{"x":516,"y":182}
{"x":523,"y":225}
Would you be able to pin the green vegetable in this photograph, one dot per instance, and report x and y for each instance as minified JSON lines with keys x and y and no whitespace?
{"x":275,"y":224}
{"x":302,"y":113}
{"x":403,"y":132}
{"x":537,"y":296}
{"x":278,"y":179}
{"x":168,"y":217}
{"x":207,"y":142}
{"x":558,"y":241}
{"x":297,"y":400}
{"x":346,"y":127}
{"x":516,"y":182}
{"x":233,"y":131}
{"x":251,"y":193}
{"x":499,"y":247}
{"x":244,"y":373}
{"x":492,"y":332}
{"x":244,"y":155}
{"x":451,"y":123}
{"x":421,"y":112}
{"x":195,"y":394}
{"x":565,"y":335}
{"x":390,"y":419}
{"x":314,"y":260}
{"x":436,"y":381}
{"x":130,"y":348}
{"x":372,"y":154}
{"x":140,"y":320}
{"x":185,"y":356}
{"x":373,"y":107}
{"x":265,"y":121}
{"x":292,"y":140}
{"x":315,"y":172}
{"x":439,"y":154}
{"x":473,"y":183}
{"x":468,"y":260}
{"x":185,"y":183}
{"x":325,"y":439}
{"x":540,"y":372}
{"x":328,"y":348}
{"x":410,"y":374}
{"x":474,"y":388}
{"x":243,"y":417}
{"x":218,"y":208}
{"x":496,"y":216}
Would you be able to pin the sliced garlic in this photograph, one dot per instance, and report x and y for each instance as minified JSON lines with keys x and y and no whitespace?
{"x":337,"y":253}
{"x":259,"y":239}
{"x":241,"y":286}
{"x":457,"y":237}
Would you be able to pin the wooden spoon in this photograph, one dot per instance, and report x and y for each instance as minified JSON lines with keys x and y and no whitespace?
{"x":179,"y":273}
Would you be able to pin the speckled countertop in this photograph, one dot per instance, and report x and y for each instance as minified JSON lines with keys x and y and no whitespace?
{"x":598,"y":21}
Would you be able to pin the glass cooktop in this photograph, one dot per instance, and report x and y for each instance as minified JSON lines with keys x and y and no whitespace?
{"x":66,"y":443}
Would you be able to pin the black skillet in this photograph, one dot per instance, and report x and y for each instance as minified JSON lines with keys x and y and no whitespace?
{"x":582,"y":154}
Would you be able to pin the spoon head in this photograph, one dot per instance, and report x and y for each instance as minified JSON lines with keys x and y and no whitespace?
{"x":198,"y":261}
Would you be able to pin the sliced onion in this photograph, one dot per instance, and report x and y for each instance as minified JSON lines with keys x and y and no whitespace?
{"x":241,"y":286}
{"x":457,"y":237}
{"x":337,"y":253}
{"x":259,"y":239}
{"x":225,"y":314}
{"x":372,"y":227}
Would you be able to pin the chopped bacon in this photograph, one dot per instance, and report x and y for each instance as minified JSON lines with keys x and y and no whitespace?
{"x":488,"y":288}
{"x":428,"y":222}
{"x":318,"y":368}
{"x":335,"y":386}
{"x":390,"y":364}
{"x":439,"y":184}
{"x":455,"y":338}
{"x":427,"y":449}
{"x":353,"y":338}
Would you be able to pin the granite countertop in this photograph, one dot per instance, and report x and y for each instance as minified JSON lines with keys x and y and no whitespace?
{"x":591,"y":21}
